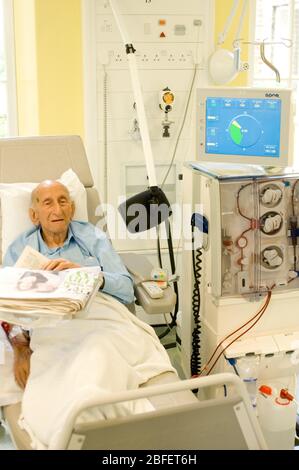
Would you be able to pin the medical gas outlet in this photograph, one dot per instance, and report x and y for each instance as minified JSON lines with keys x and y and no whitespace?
{"x":166,"y":103}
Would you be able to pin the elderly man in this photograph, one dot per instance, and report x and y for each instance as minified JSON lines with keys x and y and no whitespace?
{"x":104,"y":349}
{"x":67,"y":244}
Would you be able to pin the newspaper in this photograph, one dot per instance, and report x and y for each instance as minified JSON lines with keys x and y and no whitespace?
{"x":27,"y":290}
{"x":31,"y":259}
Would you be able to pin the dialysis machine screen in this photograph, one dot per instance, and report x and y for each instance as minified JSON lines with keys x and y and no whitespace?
{"x":244,"y":126}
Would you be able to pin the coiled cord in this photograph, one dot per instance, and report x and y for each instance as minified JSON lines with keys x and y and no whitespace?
{"x":196,"y":263}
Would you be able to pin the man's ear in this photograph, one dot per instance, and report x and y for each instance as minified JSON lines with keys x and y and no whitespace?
{"x":73,"y":209}
{"x":33,"y":216}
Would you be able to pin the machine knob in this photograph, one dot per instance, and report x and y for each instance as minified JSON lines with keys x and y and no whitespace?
{"x":271,"y":196}
{"x":272,"y":223}
{"x":272,"y":258}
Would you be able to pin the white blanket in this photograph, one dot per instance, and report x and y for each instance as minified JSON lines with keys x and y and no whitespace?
{"x":106,"y":349}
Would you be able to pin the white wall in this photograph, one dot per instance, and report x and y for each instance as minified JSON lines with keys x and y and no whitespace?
{"x":116,"y":157}
{"x":168,"y":61}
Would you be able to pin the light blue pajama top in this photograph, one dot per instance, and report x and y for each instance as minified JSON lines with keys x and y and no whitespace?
{"x":85,"y":245}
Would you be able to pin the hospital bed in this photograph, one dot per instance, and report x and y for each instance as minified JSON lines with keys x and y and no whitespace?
{"x":177,"y":422}
{"x":35,"y":159}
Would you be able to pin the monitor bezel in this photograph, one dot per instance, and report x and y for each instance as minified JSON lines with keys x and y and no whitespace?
{"x":286,"y":148}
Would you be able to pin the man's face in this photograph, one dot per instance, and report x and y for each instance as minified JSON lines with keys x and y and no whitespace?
{"x":52,"y":208}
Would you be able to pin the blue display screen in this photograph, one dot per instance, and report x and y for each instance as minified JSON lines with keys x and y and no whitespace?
{"x":243,"y":126}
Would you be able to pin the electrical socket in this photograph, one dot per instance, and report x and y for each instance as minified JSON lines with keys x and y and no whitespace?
{"x":177,"y":58}
{"x":150,"y":57}
{"x":165,"y":57}
{"x":182,"y":57}
{"x":144,"y":58}
{"x":118,"y":58}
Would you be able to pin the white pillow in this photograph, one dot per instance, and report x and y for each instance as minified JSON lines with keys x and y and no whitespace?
{"x":15,"y":203}
{"x":10,"y":392}
{"x":78,"y":194}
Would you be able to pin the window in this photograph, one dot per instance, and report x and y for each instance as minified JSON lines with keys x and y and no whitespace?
{"x":8,"y":115}
{"x":277,"y":21}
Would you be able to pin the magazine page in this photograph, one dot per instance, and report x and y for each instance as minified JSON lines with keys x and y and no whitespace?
{"x":31,"y":259}
{"x":48,"y":288}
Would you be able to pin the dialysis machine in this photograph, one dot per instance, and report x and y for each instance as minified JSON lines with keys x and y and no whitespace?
{"x":240,"y":308}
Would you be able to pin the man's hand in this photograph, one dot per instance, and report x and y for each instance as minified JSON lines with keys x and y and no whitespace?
{"x":22,"y":353}
{"x":59,"y":264}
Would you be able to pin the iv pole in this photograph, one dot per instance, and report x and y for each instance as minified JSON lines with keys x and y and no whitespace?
{"x":154,"y":198}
